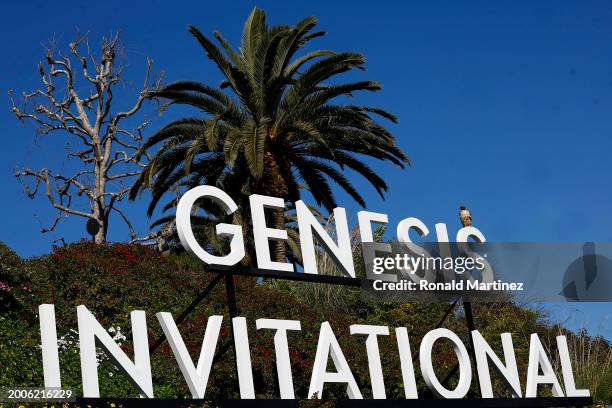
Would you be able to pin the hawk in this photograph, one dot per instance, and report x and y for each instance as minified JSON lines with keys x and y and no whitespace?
{"x":465,"y":216}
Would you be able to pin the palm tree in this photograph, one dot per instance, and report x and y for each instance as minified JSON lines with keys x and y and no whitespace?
{"x":272,"y":120}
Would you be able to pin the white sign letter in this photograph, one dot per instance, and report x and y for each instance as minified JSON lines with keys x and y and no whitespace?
{"x":537,"y":359}
{"x":374,"y":364}
{"x":50,"y":355}
{"x":197,"y":378}
{"x":281,"y":348}
{"x":366,"y":218}
{"x":328,"y":344}
{"x":138,"y":372}
{"x":342,"y":253}
{"x":243,"y":358}
{"x":261,"y":233}
{"x":403,"y":346}
{"x":185,"y":233}
{"x":508,"y":371}
{"x":568,"y":374}
{"x":429,"y":375}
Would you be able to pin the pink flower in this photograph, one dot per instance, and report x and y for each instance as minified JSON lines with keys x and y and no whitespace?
{"x":5,"y":287}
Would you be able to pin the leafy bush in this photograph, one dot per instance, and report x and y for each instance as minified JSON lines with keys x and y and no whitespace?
{"x":11,"y":276}
{"x":10,"y":264}
{"x":112,"y":280}
{"x":19,"y":354}
{"x":604,"y":389}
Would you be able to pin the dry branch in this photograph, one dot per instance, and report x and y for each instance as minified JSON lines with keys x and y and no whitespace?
{"x":75,"y":100}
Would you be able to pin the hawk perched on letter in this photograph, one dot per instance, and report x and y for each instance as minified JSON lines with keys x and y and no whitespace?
{"x":465,"y":216}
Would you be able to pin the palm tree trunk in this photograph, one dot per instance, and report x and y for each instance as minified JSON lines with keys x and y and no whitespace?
{"x":273,"y":184}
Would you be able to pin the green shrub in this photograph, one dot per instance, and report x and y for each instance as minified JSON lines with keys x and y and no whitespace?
{"x":10,"y":264}
{"x":19,"y":354}
{"x":112,"y":280}
{"x":11,"y":278}
{"x":604,"y":389}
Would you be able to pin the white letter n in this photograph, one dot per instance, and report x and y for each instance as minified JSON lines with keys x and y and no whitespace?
{"x":138,"y":372}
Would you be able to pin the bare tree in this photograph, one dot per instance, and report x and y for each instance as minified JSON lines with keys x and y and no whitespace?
{"x":75,"y":102}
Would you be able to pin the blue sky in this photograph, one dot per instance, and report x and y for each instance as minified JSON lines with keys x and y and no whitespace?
{"x":504,"y":106}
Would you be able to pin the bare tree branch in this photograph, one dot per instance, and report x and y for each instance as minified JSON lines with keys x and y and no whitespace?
{"x":133,"y":234}
{"x":76,"y":99}
{"x":53,"y":191}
